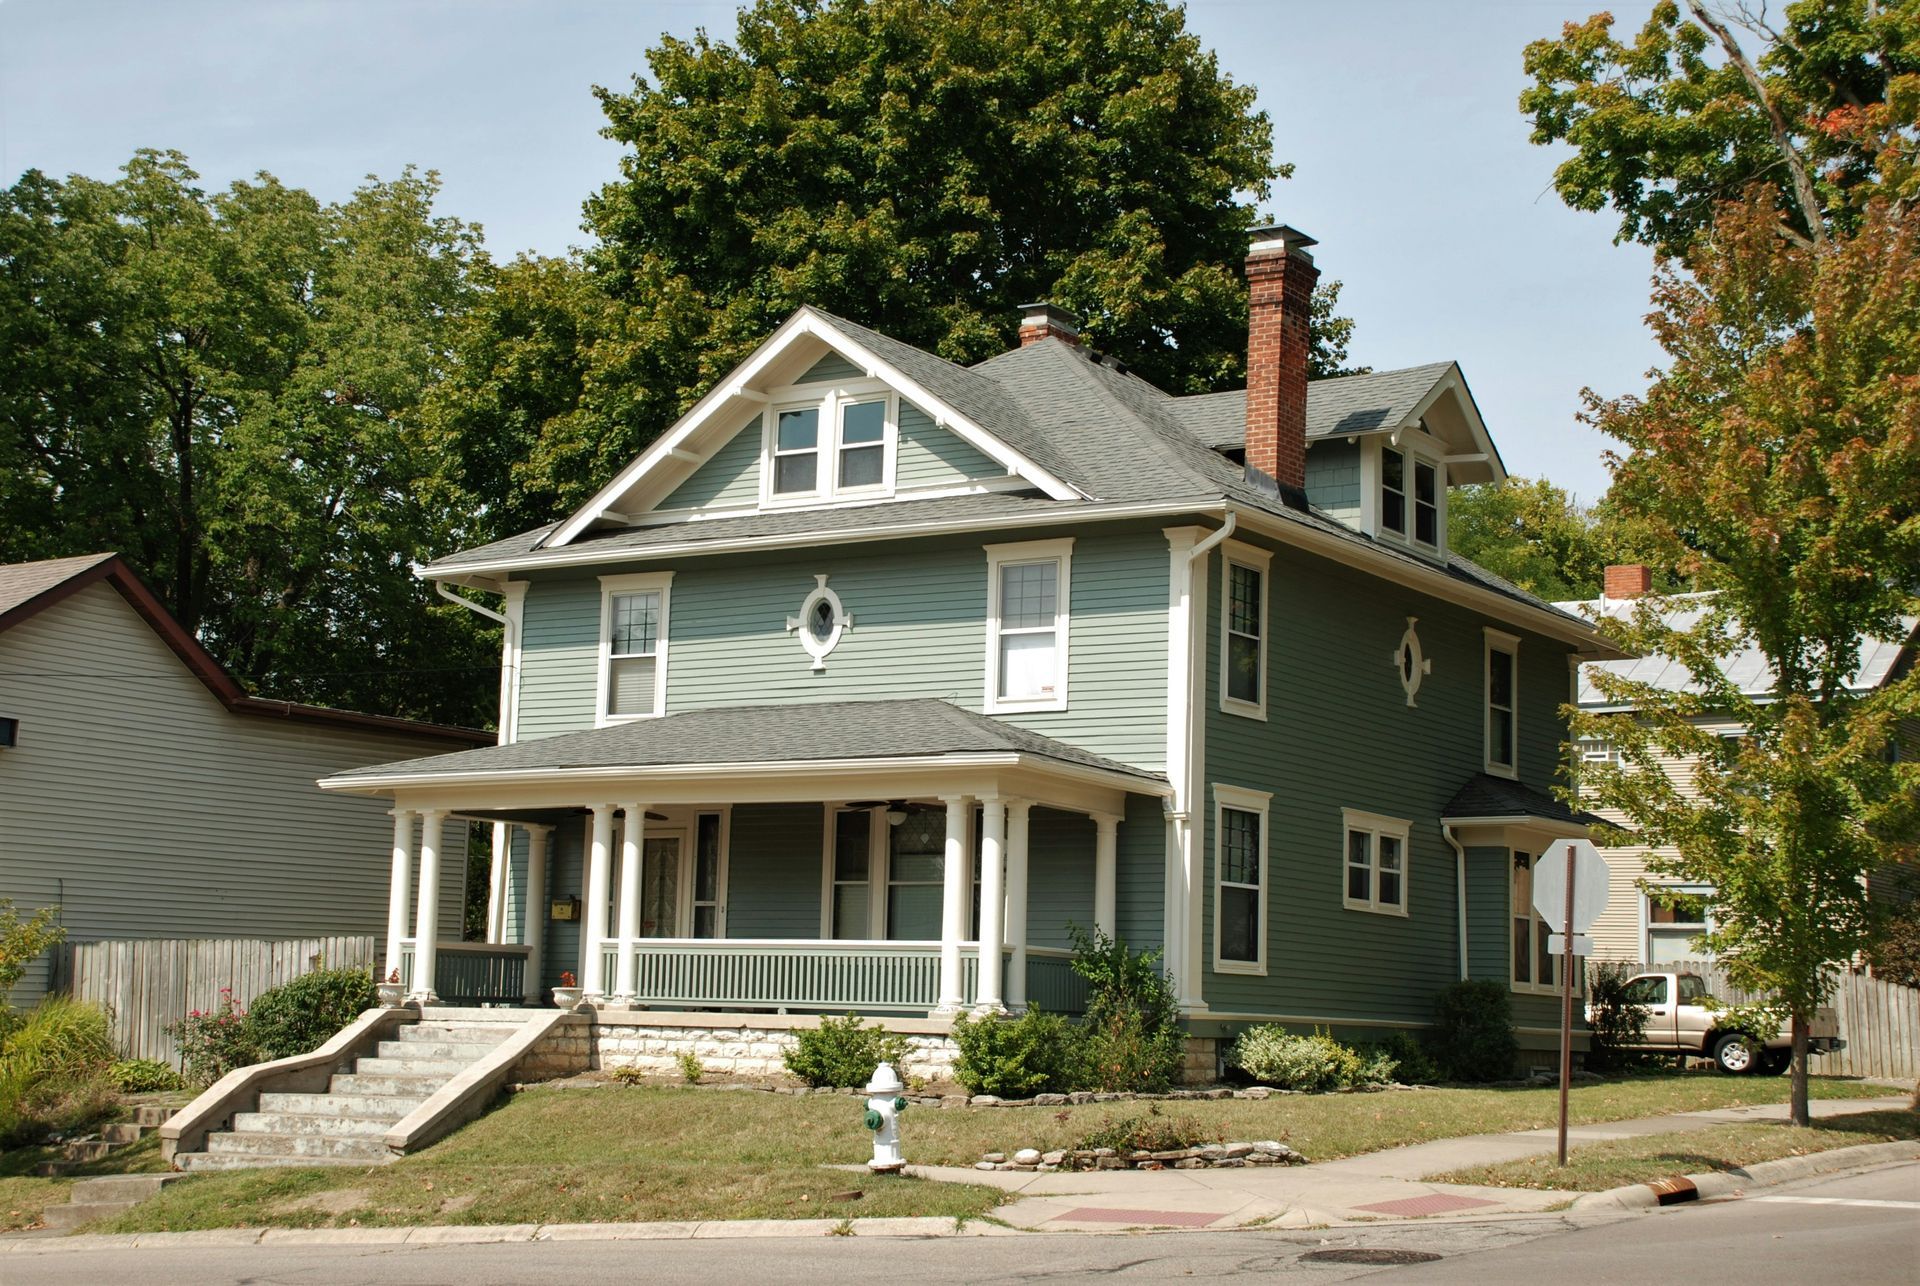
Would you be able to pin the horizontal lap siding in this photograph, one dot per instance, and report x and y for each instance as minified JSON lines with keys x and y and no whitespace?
{"x":566,"y":877}
{"x":1341,"y":735}
{"x":1059,"y":875}
{"x":559,"y":656}
{"x":145,"y":809}
{"x":730,"y":476}
{"x":1140,"y":893}
{"x":774,"y":871}
{"x":831,"y":368}
{"x":929,"y":456}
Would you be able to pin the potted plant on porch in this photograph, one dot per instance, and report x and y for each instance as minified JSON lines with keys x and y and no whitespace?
{"x":392,"y":991}
{"x":567,"y":994}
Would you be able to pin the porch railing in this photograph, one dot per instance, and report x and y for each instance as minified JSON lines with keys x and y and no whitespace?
{"x":473,"y":973}
{"x":1052,"y":984}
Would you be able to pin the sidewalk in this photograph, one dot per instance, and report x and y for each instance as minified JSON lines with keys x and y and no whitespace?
{"x":1375,"y":1186}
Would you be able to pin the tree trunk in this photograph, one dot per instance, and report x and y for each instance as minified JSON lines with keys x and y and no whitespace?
{"x":1797,"y":1110}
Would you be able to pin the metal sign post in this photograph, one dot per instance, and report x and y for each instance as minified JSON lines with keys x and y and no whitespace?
{"x":1569,"y":892}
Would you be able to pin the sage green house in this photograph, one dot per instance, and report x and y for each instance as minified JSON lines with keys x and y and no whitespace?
{"x":873,"y":675}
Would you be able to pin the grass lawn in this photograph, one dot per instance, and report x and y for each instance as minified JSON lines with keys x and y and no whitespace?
{"x":23,"y":1196}
{"x":1599,"y":1166}
{"x":662,"y":1153}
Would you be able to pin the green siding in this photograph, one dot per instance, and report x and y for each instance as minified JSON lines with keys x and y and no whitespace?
{"x":1339,"y":735}
{"x":730,"y":476}
{"x":774,"y":872}
{"x":832,"y":367}
{"x":1333,"y":477}
{"x":918,"y":632}
{"x":1488,"y":939}
{"x":1140,"y":893}
{"x":1059,"y":875}
{"x":566,"y":877}
{"x":929,"y":456}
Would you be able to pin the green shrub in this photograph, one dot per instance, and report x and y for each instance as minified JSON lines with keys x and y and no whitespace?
{"x":1274,"y":1056}
{"x":628,"y":1075}
{"x":841,"y":1052}
{"x":1412,"y":1065}
{"x":1614,"y":1021}
{"x":1131,"y":1036}
{"x":1152,"y":1132}
{"x":53,"y":1065}
{"x":1473,"y":1032}
{"x":143,"y":1076}
{"x":24,"y":941}
{"x":1035,"y":1053}
{"x":212,"y":1042}
{"x":299,"y":1017}
{"x":691,"y":1068}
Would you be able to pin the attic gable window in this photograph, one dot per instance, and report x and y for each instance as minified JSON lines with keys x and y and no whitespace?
{"x":828,"y":444}
{"x":796,"y":451}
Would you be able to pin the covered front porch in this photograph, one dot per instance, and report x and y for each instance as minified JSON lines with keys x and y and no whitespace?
{"x":925,"y":884}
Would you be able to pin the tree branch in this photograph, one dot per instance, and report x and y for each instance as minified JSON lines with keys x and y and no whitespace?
{"x":1803,"y":192}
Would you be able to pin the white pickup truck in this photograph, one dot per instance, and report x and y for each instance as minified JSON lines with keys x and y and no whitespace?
{"x":1683,"y":1019}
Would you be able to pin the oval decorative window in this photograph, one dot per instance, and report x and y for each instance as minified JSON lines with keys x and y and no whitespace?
{"x":821,"y":622}
{"x":1410,"y":661}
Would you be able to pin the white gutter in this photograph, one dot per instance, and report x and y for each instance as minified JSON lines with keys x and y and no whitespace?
{"x":440,"y":588}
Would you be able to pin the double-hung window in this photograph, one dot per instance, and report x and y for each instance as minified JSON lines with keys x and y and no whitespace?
{"x":1410,"y":497}
{"x":1502,"y":703}
{"x":1375,"y":872}
{"x":863,"y":445}
{"x":1674,"y":920}
{"x":829,"y":443}
{"x":796,"y":451}
{"x":1533,"y":965}
{"x":1243,"y":631}
{"x":1027,"y":601}
{"x":633,"y":646}
{"x":1426,"y":504}
{"x":1240,"y":879}
{"x":1393,"y":491}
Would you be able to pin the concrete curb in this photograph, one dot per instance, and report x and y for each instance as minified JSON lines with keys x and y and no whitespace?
{"x":478,"y":1234}
{"x":1764,"y":1174}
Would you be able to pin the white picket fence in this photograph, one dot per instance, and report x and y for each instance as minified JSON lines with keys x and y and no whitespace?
{"x":148,"y":984}
{"x":1879,"y":1020}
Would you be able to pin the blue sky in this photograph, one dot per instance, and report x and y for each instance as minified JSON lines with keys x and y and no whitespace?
{"x":1413,"y":166}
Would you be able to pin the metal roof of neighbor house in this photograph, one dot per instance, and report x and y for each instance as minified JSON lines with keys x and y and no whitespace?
{"x":1374,"y":402}
{"x":1485,"y":795}
{"x":816,"y":732}
{"x":1747,"y":667}
{"x":28,"y":589}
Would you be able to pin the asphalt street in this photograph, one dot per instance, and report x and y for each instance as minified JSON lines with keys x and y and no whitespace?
{"x":1861,"y":1229}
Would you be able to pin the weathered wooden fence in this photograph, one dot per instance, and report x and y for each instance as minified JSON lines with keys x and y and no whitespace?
{"x":149,"y":984}
{"x":1879,"y":1020}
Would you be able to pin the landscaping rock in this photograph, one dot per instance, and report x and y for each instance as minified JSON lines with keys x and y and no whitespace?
{"x":1238,"y":1149}
{"x":953,"y":1100}
{"x":1052,"y":1158}
{"x":995,"y":1157}
{"x":1027,"y":1156}
{"x":1220,"y":1093}
{"x":1049,"y":1100}
{"x":1257,"y":1092}
{"x":1191,"y":1163}
{"x":1079,"y":1097}
{"x":985,"y":1165}
{"x":984,"y":1100}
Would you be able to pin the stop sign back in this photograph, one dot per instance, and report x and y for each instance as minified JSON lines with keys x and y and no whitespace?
{"x":1589,"y":885}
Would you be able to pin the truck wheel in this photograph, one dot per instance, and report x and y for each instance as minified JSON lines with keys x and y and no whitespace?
{"x":1736,"y":1054}
{"x":1775,"y":1061}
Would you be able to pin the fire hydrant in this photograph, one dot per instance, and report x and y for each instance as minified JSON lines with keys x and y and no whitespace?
{"x":884,"y":1106}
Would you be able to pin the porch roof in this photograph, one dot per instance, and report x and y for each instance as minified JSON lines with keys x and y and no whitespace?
{"x":1486,"y":798}
{"x":917,"y":731}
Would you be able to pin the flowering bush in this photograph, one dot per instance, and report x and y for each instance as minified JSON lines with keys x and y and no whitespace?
{"x":213,"y":1042}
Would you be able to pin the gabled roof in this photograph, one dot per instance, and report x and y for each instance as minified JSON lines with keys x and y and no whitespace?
{"x":1746,"y":668}
{"x":812,"y":733}
{"x":1375,"y":402}
{"x":28,"y":589}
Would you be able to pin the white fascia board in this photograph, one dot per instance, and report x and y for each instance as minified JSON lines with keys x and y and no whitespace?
{"x":803,"y":323}
{"x":1455,"y":381}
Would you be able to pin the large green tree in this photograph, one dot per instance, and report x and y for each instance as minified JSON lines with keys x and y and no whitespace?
{"x":1707,"y":99}
{"x":226,"y":388}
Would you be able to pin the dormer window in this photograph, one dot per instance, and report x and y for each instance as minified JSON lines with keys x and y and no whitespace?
{"x":1393,"y":491}
{"x":1409,"y":504}
{"x":835,"y":443}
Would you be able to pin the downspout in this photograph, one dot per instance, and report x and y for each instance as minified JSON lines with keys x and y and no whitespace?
{"x":1460,"y":891}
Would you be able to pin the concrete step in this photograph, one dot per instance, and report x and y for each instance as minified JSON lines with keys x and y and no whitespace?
{"x":125,"y":1132}
{"x":73,"y":1214}
{"x":371,"y":1127}
{"x":119,"y":1187}
{"x":435,"y":1051}
{"x":202,"y":1162}
{"x":356,"y":1084}
{"x":456,"y":1033}
{"x":442,"y":1067}
{"x":386,"y":1107}
{"x":251,"y":1144}
{"x":152,"y":1114}
{"x":86,"y":1149}
{"x":492,"y":1017}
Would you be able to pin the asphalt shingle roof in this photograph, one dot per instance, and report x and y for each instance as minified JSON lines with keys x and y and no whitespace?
{"x":1376,"y":401}
{"x":24,"y":582}
{"x":765,"y":734}
{"x":1485,"y":795}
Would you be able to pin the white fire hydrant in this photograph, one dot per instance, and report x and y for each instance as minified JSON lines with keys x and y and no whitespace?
{"x":884,"y":1106}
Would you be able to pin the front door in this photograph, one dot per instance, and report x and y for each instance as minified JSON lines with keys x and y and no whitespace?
{"x":660,"y":887}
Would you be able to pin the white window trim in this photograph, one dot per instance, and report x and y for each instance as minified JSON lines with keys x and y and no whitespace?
{"x":827,"y":399}
{"x":876,"y":880}
{"x":1257,"y":802}
{"x":1498,"y":641}
{"x":1647,"y":926}
{"x":1413,"y":446}
{"x":1374,"y":825}
{"x":1261,"y":561}
{"x":1029,"y":551}
{"x":662,"y":583}
{"x":1535,"y":988}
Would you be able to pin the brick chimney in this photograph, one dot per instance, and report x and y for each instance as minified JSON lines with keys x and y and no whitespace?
{"x":1043,"y":320}
{"x":1280,"y":280}
{"x":1628,"y":580}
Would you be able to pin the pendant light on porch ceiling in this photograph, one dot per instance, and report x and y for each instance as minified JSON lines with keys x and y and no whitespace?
{"x":896,"y":808}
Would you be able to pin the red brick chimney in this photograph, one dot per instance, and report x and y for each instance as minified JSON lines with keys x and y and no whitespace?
{"x":1280,"y":280}
{"x":1043,"y":320}
{"x":1628,"y":580}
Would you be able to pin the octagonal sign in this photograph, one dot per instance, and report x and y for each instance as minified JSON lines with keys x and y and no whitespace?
{"x":1589,"y":885}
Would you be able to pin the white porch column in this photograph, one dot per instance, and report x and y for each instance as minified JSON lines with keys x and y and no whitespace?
{"x":632,"y":844}
{"x":593,"y":983}
{"x":993,"y":902}
{"x":426,"y":922}
{"x":399,"y":884}
{"x":1106,"y":847}
{"x":1016,"y":925}
{"x":533,"y":917}
{"x":953,"y":904}
{"x":498,"y":878}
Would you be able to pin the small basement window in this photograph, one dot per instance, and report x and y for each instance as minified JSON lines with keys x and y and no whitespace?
{"x":9,"y":732}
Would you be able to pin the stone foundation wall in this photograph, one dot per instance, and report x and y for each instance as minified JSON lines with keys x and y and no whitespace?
{"x":567,"y":1050}
{"x":744,"y":1046}
{"x":1202,"y":1064}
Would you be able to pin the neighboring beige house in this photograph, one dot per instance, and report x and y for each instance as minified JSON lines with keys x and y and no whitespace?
{"x":146,"y":795}
{"x":1636,"y":926}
